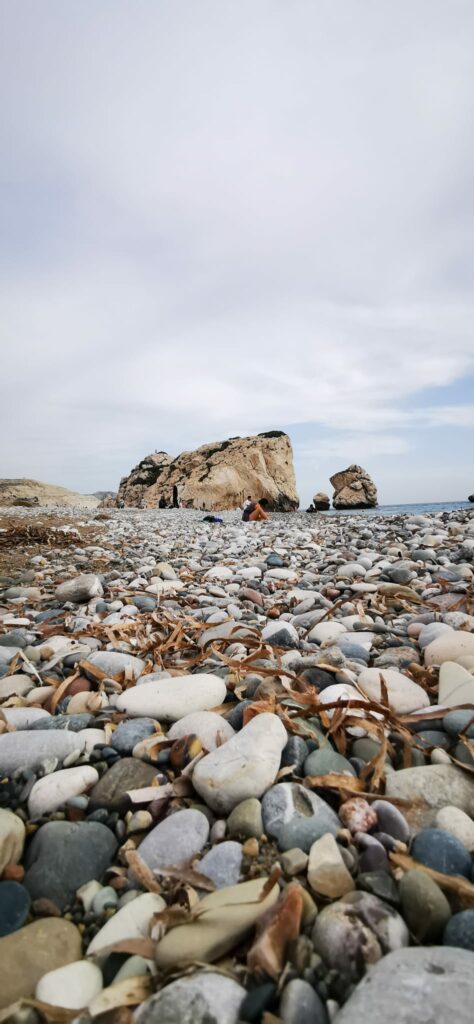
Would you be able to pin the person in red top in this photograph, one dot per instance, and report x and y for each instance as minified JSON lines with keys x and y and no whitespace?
{"x":256,"y":511}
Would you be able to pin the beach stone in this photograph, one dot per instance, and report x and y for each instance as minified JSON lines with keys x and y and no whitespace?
{"x":72,"y":986}
{"x":449,"y":647}
{"x":71,"y":723}
{"x":326,"y":760}
{"x":357,"y":815}
{"x":404,"y":696}
{"x":28,"y":749}
{"x":178,"y":838}
{"x":129,"y":733}
{"x":132,"y":921}
{"x":424,"y":906}
{"x":357,"y":931}
{"x":324,"y":632}
{"x":459,"y":930}
{"x":296,"y":816}
{"x":458,"y":721}
{"x":391,"y":820}
{"x":379,"y":883}
{"x":28,"y":954}
{"x":243,"y":767}
{"x":245,"y":821}
{"x":327,"y":873}
{"x":18,"y":685}
{"x":202,"y":998}
{"x":432,"y":787}
{"x":126,"y":774}
{"x":80,"y":589}
{"x":294,"y":862}
{"x":456,"y":685}
{"x":222,"y":864}
{"x":25,"y":718}
{"x":227,"y":917}
{"x":14,"y":907}
{"x":212,"y":729}
{"x":441,"y":851}
{"x":280,"y":633}
{"x":12,"y":839}
{"x":459,"y":824}
{"x":295,"y":753}
{"x":170,"y":699}
{"x":300,"y":1004}
{"x":52,"y":791}
{"x":433,"y":985}
{"x":64,"y":855}
{"x":114,"y":663}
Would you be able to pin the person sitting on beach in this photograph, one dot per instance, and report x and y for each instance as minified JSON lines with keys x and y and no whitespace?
{"x":162,"y":502}
{"x":256,"y":512}
{"x":247,"y":502}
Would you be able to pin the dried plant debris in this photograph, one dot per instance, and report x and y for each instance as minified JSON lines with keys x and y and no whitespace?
{"x":228,"y":758}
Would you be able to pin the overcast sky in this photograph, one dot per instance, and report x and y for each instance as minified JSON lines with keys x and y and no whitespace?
{"x":227,"y":216}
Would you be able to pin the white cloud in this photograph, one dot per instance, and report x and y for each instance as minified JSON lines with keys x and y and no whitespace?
{"x":227,"y":218}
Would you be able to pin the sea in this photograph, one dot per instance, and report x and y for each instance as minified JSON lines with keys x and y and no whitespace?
{"x":417,"y":509}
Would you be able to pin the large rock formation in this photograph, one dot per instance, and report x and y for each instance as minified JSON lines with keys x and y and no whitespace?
{"x":217,"y":476}
{"x":353,"y":488}
{"x":33,"y":493}
{"x":471,"y":497}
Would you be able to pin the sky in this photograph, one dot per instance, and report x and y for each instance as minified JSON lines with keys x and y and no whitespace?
{"x":222,"y":217}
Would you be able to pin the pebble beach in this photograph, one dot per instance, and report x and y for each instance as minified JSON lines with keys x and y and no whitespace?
{"x":236,"y":767}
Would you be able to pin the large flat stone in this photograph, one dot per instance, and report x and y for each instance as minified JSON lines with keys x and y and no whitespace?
{"x":28,"y":954}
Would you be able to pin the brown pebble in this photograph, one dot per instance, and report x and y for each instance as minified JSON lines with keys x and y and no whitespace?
{"x":44,"y":907}
{"x":13,"y":873}
{"x":251,"y":848}
{"x":185,"y":750}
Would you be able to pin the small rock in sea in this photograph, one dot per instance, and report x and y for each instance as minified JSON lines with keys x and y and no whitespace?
{"x":430,"y":984}
{"x":28,"y":954}
{"x":64,"y":855}
{"x":459,"y":930}
{"x":132,"y":921}
{"x":441,"y":851}
{"x":256,"y":749}
{"x":202,"y":998}
{"x":14,"y":907}
{"x":12,"y":839}
{"x":80,"y":589}
{"x":176,"y":839}
{"x":424,"y":906}
{"x":72,"y":986}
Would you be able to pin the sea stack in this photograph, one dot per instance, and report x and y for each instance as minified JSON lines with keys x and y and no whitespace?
{"x":353,"y":489}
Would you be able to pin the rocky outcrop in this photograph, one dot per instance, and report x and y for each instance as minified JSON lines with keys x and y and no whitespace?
{"x":321,"y":501}
{"x":471,"y":497}
{"x":353,"y":488}
{"x":32,"y":493}
{"x":218,"y":475}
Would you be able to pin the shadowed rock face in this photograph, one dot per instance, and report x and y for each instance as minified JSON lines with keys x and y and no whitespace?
{"x":218,"y":475}
{"x":353,"y":488}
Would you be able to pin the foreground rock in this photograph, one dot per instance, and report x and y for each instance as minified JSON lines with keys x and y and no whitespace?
{"x":353,"y":489}
{"x":27,"y":955}
{"x":435,"y":984}
{"x":244,"y":767}
{"x":204,"y":997}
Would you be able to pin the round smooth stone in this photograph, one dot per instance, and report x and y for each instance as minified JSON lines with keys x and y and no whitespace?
{"x":168,"y":700}
{"x":404,"y":696}
{"x":72,"y":987}
{"x":459,"y":930}
{"x":458,"y":823}
{"x":14,"y":906}
{"x":424,"y":906}
{"x":441,"y":851}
